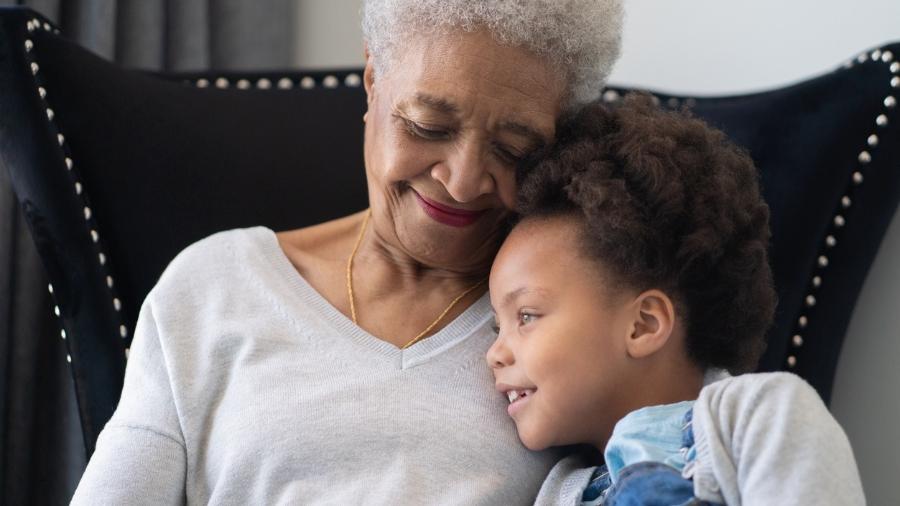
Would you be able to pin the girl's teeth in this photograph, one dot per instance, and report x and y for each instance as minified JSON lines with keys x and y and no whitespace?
{"x":514,"y":395}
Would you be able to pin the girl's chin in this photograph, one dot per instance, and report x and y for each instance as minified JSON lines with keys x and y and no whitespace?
{"x":532,"y":444}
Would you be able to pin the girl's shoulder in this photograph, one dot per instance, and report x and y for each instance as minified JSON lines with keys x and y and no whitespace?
{"x":756,"y":390}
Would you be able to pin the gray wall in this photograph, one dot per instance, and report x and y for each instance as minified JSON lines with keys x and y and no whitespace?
{"x":718,"y":47}
{"x":328,"y":34}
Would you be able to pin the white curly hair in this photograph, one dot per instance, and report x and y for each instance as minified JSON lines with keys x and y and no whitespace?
{"x":578,"y":37}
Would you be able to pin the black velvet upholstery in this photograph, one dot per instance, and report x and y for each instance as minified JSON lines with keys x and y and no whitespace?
{"x":162,"y":163}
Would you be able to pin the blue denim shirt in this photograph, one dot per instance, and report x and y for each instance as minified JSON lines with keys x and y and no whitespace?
{"x":651,"y":434}
{"x":644,"y":459}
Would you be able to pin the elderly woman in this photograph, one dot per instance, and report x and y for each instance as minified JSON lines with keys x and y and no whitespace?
{"x":344,"y":363}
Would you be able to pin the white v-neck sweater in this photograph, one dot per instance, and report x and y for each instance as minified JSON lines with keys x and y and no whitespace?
{"x":245,"y":386}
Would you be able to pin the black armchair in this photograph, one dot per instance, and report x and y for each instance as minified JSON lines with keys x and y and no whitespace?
{"x":118,"y":170}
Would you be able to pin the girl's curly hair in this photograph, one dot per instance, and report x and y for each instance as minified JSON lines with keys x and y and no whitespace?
{"x":666,"y":202}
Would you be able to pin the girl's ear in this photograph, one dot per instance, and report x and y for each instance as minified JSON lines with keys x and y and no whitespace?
{"x":653,"y":324}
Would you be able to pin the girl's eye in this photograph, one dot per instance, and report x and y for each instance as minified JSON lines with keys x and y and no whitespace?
{"x":425,"y":133}
{"x":526,"y":318}
{"x":495,"y":327}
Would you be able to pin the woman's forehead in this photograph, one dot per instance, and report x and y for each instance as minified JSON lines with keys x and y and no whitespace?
{"x":458,"y":72}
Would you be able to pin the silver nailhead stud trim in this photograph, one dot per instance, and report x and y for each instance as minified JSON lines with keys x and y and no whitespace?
{"x":672,"y":102}
{"x":890,"y":102}
{"x":864,"y":157}
{"x":610,"y":96}
{"x":872,"y":140}
{"x":307,"y":83}
{"x":264,"y":84}
{"x":56,"y":310}
{"x":243,"y":84}
{"x":127,"y":350}
{"x":29,"y":26}
{"x":817,"y":281}
{"x":839,"y":221}
{"x":887,"y":56}
{"x":876,"y":54}
{"x":792,"y":361}
{"x":823,"y":261}
{"x":102,"y":258}
{"x":797,"y":340}
{"x":69,"y":163}
{"x":109,"y":281}
{"x":881,"y":120}
{"x":895,"y":67}
{"x":123,"y":331}
{"x":221,"y":83}
{"x":857,"y":178}
{"x":352,"y":80}
{"x":60,"y":139}
{"x":69,"y":358}
{"x":802,"y":321}
{"x":330,"y":82}
{"x":29,"y":45}
{"x":846,"y":202}
{"x":46,"y":26}
{"x":202,"y":83}
{"x":895,"y":82}
{"x":42,"y":92}
{"x":62,"y":333}
{"x":831,"y":242}
{"x":95,"y":236}
{"x":810,"y":301}
{"x":285,"y":84}
{"x":77,"y":188}
{"x":87,"y":213}
{"x":862,"y":58}
{"x":50,"y":114}
{"x":50,"y":288}
{"x":117,"y":304}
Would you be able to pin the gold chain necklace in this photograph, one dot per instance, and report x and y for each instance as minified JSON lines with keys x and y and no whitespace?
{"x":350,"y":288}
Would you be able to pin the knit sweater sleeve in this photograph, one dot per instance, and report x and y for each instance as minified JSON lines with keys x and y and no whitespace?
{"x":769,"y":439}
{"x":140,"y":456}
{"x":566,"y":482}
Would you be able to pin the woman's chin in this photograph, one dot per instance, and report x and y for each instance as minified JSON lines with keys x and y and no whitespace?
{"x":438,"y":244}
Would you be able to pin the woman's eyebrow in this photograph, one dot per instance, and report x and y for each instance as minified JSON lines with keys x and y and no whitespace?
{"x":537,"y":138}
{"x":437,"y":103}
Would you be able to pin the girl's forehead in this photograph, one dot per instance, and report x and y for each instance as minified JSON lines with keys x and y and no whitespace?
{"x":537,"y":250}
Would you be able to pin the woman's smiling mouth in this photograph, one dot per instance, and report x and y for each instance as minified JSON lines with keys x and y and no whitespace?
{"x":447,"y":215}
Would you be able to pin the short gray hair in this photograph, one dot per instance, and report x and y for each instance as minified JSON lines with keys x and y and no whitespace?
{"x":578,"y":37}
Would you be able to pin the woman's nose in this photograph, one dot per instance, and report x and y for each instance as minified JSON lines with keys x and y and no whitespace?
{"x":499,"y":355}
{"x":464,"y":173}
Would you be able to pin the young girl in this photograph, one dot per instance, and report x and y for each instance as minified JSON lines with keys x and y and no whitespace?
{"x":638,"y":269}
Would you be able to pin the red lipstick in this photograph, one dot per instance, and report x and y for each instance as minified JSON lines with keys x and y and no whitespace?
{"x":447,"y":215}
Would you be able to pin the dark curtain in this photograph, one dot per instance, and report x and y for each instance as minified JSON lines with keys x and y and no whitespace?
{"x":43,"y":455}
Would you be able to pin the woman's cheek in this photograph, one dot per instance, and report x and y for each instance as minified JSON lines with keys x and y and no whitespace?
{"x":506,"y":186}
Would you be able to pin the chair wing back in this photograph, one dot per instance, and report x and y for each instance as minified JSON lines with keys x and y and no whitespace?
{"x":118,"y":170}
{"x":828,"y":152}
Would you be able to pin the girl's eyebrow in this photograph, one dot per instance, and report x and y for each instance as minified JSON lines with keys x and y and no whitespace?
{"x":511,"y":297}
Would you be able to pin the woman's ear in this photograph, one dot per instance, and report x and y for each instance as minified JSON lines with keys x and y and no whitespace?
{"x":369,"y":75}
{"x":653,"y":323}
